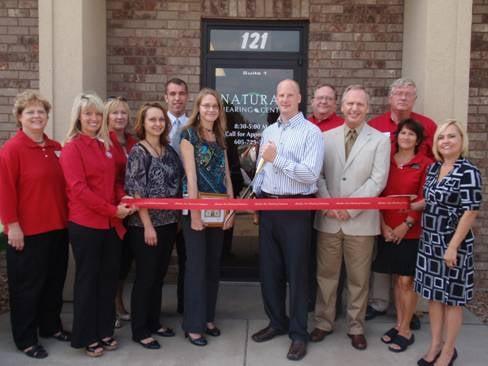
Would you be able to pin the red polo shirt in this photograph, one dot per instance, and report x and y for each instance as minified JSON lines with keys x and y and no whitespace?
{"x":384,"y":123}
{"x":32,"y":189}
{"x":120,"y":155}
{"x":406,"y":179}
{"x":93,"y":193}
{"x":328,"y":123}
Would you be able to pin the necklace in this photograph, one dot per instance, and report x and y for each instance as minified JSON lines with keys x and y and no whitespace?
{"x":157,"y":151}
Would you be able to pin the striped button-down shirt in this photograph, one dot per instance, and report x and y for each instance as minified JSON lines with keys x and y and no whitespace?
{"x":300,"y":154}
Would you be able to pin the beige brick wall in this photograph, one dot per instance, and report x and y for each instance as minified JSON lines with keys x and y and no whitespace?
{"x":19,"y":56}
{"x":478,"y":128}
{"x":151,"y":41}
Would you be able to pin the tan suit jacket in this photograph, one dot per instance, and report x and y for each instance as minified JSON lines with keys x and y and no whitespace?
{"x":364,"y":174}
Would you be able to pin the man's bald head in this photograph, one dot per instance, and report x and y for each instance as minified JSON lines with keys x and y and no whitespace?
{"x":288,"y":98}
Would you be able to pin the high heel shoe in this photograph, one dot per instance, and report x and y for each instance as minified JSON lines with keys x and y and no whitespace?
{"x":424,"y":362}
{"x":200,"y":341}
{"x":214,"y":332}
{"x":453,"y":358}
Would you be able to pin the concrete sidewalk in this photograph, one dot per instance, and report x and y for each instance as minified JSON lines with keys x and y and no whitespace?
{"x":239,"y":314}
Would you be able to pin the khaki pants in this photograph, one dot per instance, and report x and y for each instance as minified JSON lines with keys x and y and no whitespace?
{"x":357,"y":252}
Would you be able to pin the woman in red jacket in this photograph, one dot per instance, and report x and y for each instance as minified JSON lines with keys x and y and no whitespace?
{"x":95,"y":224}
{"x":398,"y":244}
{"x":33,"y":210}
{"x":116,"y":116}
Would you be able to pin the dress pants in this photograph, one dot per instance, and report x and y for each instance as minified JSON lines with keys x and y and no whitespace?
{"x":126,"y":258}
{"x":36,"y":277}
{"x":357,"y":252}
{"x":202,"y":274}
{"x":181,"y":253}
{"x":284,"y":250}
{"x":151,"y":267}
{"x":97,"y":258}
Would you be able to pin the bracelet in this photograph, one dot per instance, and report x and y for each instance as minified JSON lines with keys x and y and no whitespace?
{"x":409,"y":224}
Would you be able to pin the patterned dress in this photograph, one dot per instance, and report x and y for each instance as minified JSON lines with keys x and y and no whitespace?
{"x":445,"y":202}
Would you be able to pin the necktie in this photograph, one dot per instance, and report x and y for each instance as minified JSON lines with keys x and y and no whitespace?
{"x":350,"y":139}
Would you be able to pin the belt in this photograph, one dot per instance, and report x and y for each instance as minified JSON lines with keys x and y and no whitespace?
{"x":267,"y":195}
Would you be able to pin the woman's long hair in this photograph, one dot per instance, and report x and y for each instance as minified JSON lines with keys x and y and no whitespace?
{"x":219,"y":125}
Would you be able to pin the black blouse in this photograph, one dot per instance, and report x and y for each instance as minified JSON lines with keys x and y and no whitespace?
{"x":154,"y":177}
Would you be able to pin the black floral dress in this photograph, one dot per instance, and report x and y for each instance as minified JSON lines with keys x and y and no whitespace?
{"x":445,"y":202}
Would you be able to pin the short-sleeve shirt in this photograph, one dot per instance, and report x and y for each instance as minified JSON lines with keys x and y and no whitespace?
{"x":154,"y":177}
{"x":209,"y":163}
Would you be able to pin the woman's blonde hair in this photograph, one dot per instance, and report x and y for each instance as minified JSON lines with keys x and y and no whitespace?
{"x":111,"y":105}
{"x":441,"y":129}
{"x":25,"y":99}
{"x":219,"y":125}
{"x":82,"y":101}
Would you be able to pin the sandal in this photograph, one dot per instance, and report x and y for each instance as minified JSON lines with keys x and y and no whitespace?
{"x":390,"y":334}
{"x":94,"y":350}
{"x":109,"y":344}
{"x":36,"y":351}
{"x":402,"y":343}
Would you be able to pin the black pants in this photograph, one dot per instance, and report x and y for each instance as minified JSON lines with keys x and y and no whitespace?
{"x":202,"y":274}
{"x":181,"y":253}
{"x":284,"y":249}
{"x":126,"y":258}
{"x":35,"y":280}
{"x":151,"y":267}
{"x":97,"y":258}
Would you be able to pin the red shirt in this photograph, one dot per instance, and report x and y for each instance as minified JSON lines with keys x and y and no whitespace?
{"x":32,"y":189}
{"x":120,"y":154}
{"x":93,"y":193}
{"x":406,"y":179}
{"x":328,"y":123}
{"x":384,"y":123}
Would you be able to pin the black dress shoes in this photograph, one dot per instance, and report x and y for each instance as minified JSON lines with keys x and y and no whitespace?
{"x":358,"y":341}
{"x":200,"y":341}
{"x":372,"y":313}
{"x":154,"y":344}
{"x":297,"y":351}
{"x":266,"y":334}
{"x":318,"y":334}
{"x":214,"y":332}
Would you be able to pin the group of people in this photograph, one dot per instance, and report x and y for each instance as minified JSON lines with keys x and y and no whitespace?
{"x":80,"y":193}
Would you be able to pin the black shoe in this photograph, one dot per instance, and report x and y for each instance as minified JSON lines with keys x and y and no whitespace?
{"x":62,"y":336}
{"x":214,"y":332}
{"x":165,"y":332}
{"x":154,"y":344}
{"x":36,"y":351}
{"x":372,"y":313}
{"x":415,"y":322}
{"x":266,"y":334}
{"x":297,"y":351}
{"x":200,"y":341}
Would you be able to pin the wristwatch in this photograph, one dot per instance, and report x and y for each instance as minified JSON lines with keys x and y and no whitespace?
{"x":409,"y":224}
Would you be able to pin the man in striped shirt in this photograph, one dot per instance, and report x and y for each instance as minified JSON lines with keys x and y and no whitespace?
{"x":292,"y":150}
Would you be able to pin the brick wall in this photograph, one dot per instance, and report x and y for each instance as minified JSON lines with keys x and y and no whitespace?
{"x":478,"y":128}
{"x":151,"y":41}
{"x":19,"y":56}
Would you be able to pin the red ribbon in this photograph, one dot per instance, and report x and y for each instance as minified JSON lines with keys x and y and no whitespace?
{"x":267,"y":204}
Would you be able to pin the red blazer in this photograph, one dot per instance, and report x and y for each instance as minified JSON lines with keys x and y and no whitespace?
{"x":93,"y":193}
{"x":120,"y":155}
{"x":32,"y":189}
{"x":408,"y":179}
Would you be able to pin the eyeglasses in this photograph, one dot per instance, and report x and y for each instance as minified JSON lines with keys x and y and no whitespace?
{"x":112,"y":97}
{"x":210,"y":106}
{"x":406,"y":95}
{"x":325,"y":98}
